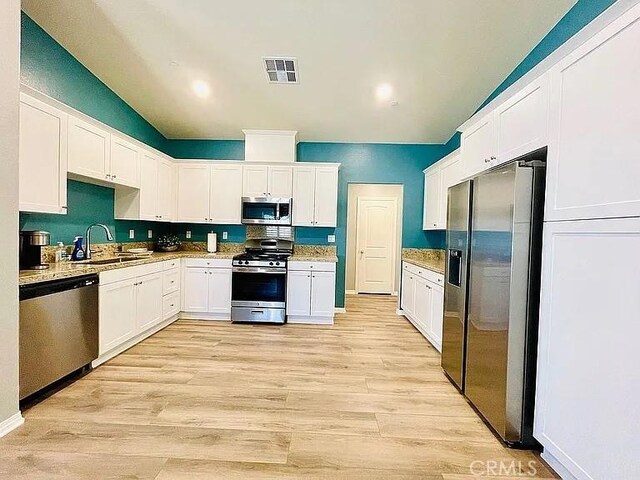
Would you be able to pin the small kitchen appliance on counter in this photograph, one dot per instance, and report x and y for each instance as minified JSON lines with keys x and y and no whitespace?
{"x":31,"y":243}
{"x":259,"y":281}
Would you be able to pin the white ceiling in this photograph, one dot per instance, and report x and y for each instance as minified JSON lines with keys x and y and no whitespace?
{"x":442,"y":57}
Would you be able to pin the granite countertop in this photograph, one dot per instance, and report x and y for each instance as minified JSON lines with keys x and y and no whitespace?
{"x":75,"y":269}
{"x":56,"y":271}
{"x":428,"y":258}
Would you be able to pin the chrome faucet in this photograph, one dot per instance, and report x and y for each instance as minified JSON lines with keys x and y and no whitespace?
{"x":87,"y":253}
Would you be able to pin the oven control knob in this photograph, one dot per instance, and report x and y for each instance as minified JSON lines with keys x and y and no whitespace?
{"x":246,"y":262}
{"x":277,"y":263}
{"x":271,"y":263}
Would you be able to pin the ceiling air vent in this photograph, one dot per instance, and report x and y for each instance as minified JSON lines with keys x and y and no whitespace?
{"x":281,"y":69}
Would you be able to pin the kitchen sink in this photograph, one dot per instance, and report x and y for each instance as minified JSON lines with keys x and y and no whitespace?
{"x":110,"y":261}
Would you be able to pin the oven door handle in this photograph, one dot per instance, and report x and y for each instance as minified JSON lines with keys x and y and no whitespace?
{"x":258,"y":270}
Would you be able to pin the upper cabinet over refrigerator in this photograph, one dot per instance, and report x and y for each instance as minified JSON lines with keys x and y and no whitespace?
{"x":595,"y":145}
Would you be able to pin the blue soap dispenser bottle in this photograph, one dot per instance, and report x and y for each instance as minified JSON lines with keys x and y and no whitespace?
{"x":78,"y":250}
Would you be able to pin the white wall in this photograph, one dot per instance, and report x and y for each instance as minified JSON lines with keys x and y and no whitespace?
{"x":9,"y":85}
{"x":369,"y":190}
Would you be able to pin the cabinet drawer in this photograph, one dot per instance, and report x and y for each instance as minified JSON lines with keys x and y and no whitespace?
{"x":170,"y":264}
{"x":126,"y":273}
{"x":171,"y":281}
{"x":424,"y":273}
{"x":312,"y":266}
{"x":170,"y":305}
{"x":208,"y":262}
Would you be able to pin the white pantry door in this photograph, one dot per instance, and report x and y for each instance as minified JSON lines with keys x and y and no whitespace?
{"x":375,"y":244}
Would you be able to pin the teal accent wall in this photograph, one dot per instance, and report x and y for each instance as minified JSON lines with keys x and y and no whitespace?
{"x":87,"y":204}
{"x":48,"y":67}
{"x":583,"y":12}
{"x":208,"y":149}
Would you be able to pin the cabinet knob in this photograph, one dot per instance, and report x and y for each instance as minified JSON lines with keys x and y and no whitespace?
{"x":113,"y":176}
{"x":486,"y":160}
{"x":493,"y":158}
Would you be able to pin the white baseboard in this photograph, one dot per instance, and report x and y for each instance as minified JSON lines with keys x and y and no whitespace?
{"x":11,"y":423}
{"x":133,"y":341}
{"x":400,"y":312}
{"x":556,"y":466}
{"x":340,"y":310}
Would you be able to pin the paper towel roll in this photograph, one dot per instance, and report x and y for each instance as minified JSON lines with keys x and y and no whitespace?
{"x":212,"y":242}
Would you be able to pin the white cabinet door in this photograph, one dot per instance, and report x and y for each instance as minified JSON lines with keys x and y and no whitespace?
{"x":43,"y":157}
{"x":323,"y":296}
{"x":588,"y":383}
{"x":193,"y":193}
{"x":165,"y":191}
{"x":117,"y":314}
{"x":450,"y":175}
{"x":422,"y":304}
{"x":89,"y":148}
{"x":326,"y":197}
{"x":522,"y":121}
{"x":195,"y":290}
{"x":593,"y":167}
{"x":299,"y":293}
{"x":226,"y":194}
{"x":220,"y":290}
{"x":407,"y":299}
{"x":149,"y":187}
{"x":304,"y":179}
{"x":148,"y":301}
{"x":125,"y":162}
{"x":432,"y":199}
{"x":478,"y":146}
{"x":255,"y":181}
{"x":436,"y":315}
{"x":280,"y":181}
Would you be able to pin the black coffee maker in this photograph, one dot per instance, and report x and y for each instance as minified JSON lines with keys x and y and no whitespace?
{"x":31,"y":243}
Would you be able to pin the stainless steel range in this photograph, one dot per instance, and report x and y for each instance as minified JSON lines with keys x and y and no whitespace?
{"x":259,"y":281}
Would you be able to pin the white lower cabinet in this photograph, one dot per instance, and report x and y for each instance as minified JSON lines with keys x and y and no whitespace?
{"x":130,"y":305}
{"x":311,"y":292}
{"x":206,"y":291}
{"x":588,"y":383}
{"x":422,"y":301}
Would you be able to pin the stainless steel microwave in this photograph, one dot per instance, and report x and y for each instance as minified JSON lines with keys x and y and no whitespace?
{"x":266,"y":211}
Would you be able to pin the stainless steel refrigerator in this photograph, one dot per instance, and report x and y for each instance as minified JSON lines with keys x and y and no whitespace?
{"x":492,"y":293}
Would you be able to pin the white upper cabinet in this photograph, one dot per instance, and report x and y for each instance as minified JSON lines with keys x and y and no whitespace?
{"x":280,"y":181}
{"x":125,"y":162}
{"x":43,"y":157}
{"x":267,"y":181}
{"x":478,"y":146}
{"x":255,"y":181}
{"x":166,"y":203}
{"x":315,"y":196}
{"x":270,"y":145}
{"x":326,"y":197}
{"x":148,"y":187}
{"x":437,"y":180}
{"x":432,"y":198}
{"x":522,"y":121}
{"x":226,"y":192}
{"x":193,"y":193}
{"x":593,"y":166}
{"x":304,"y":181}
{"x":89,"y":150}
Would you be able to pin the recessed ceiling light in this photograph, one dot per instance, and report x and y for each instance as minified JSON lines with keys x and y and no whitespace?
{"x":384,"y":91}
{"x":201,"y":88}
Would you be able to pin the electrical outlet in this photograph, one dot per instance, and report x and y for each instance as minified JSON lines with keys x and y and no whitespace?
{"x":149,"y":233}
{"x":225,"y":235}
{"x":331,"y":238}
{"x":132,"y":234}
{"x":188,"y":234}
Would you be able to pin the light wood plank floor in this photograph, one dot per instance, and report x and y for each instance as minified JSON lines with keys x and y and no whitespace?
{"x":363,"y":399}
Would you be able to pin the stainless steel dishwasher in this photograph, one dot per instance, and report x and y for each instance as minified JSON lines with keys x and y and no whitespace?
{"x":58,"y":330}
